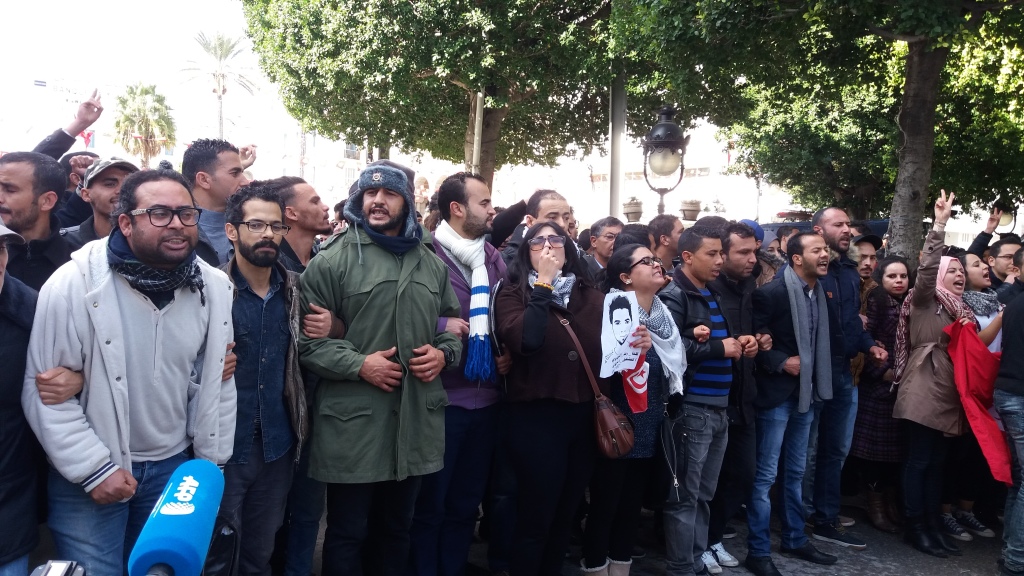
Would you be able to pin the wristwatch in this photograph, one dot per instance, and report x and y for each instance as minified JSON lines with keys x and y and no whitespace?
{"x":449,"y":357}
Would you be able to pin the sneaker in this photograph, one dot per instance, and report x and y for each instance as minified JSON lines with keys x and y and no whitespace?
{"x":637,"y":553}
{"x":970,"y":523}
{"x":837,"y":534}
{"x":710,"y":564}
{"x":729,"y":532}
{"x":950,"y":527}
{"x":723,"y":557}
{"x":846,"y":521}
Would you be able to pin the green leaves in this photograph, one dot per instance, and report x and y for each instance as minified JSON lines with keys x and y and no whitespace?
{"x":143,"y":124}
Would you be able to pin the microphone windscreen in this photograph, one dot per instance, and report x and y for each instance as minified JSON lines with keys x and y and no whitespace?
{"x":179,"y":529}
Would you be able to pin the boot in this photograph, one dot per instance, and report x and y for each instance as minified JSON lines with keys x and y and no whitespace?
{"x":893,"y":510}
{"x":944,"y":541}
{"x":917,"y":535}
{"x":876,"y":513}
{"x":618,"y":567}
{"x":599,"y":571}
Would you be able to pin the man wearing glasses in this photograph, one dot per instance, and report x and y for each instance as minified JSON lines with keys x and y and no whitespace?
{"x":271,"y":421}
{"x":147,"y":323}
{"x":602,"y":237}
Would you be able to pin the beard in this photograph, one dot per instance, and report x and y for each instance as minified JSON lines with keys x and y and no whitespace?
{"x":155,"y":256}
{"x":395,"y":223}
{"x":21,"y":221}
{"x":476,"y":227}
{"x":252,"y":254}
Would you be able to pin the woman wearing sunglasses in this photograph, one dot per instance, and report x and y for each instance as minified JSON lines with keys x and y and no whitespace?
{"x":549,"y":398}
{"x":617,"y":488}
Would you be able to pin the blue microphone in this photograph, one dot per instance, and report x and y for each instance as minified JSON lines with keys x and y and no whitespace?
{"x":176,"y":538}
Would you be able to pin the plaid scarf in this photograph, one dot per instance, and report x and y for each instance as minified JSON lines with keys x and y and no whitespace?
{"x":945,"y":300}
{"x":148,"y":279}
{"x":563,"y":287}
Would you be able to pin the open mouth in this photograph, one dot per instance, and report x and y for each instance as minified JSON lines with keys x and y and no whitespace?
{"x":959,"y":284}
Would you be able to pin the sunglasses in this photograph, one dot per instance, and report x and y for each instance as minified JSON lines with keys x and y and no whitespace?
{"x":647,"y":261}
{"x":555,"y":241}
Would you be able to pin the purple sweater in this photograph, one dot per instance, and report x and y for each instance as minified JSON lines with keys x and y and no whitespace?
{"x":462,"y":392}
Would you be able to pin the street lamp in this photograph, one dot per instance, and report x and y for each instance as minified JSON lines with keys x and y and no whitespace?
{"x":664,"y":147}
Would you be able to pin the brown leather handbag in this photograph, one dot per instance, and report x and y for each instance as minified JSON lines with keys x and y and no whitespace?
{"x":614,"y":430}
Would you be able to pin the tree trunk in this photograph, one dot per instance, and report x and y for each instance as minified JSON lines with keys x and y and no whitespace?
{"x":220,"y":116}
{"x":917,"y":134}
{"x":493,"y":117}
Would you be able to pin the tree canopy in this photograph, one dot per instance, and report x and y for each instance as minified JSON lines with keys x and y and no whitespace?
{"x":144,"y":124}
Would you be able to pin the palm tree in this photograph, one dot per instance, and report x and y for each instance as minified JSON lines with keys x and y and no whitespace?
{"x":221,"y":51}
{"x":144,"y":125}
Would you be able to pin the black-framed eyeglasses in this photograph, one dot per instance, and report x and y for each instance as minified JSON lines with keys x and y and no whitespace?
{"x":258,"y":226}
{"x":162,"y":217}
{"x":648,"y":261}
{"x":554,"y":240}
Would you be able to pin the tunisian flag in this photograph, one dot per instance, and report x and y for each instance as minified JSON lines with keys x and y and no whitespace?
{"x":975,"y":369}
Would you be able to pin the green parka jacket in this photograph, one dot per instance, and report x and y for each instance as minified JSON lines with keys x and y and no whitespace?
{"x":360,"y":432}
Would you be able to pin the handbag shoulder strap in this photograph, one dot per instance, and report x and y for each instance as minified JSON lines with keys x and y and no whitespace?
{"x":579,"y":349}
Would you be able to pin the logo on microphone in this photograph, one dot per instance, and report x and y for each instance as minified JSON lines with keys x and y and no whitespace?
{"x":186,"y":490}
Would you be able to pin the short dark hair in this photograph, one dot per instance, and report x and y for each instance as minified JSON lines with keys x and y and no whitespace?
{"x":201,"y":156}
{"x":584,"y":240}
{"x":619,"y":263}
{"x":738,"y":228}
{"x":453,"y":189}
{"x":662,"y":225}
{"x":284,"y":186}
{"x":340,"y":207}
{"x":862,"y":226}
{"x":885,"y":263}
{"x":597,"y":228}
{"x":784,"y":230}
{"x":619,"y":303}
{"x":716,"y":223}
{"x":519,"y":267}
{"x":633,"y":234}
{"x":692,"y":238}
{"x":533,"y":204}
{"x":820,"y":214}
{"x":126,"y":199}
{"x":234,"y":212}
{"x":994,"y":249}
{"x":47,"y":174}
{"x":1018,"y":258}
{"x":795,"y":244}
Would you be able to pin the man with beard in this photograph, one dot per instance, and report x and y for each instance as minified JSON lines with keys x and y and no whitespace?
{"x":735,"y":287}
{"x":446,"y":509}
{"x":271,"y":420}
{"x":30,"y":184}
{"x":100,"y":188}
{"x":709,"y":374}
{"x":835,"y":418}
{"x":794,"y":376}
{"x":379,"y":418}
{"x":147,"y":323}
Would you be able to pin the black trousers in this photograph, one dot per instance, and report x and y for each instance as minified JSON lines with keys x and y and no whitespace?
{"x":552,"y":449}
{"x":616,"y":497}
{"x":736,"y":479}
{"x":922,"y":472}
{"x":349,"y":526}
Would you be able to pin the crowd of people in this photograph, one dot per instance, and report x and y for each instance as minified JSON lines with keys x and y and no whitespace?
{"x":404,"y":373}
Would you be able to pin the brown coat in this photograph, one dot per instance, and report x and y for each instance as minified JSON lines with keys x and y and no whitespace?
{"x":555,"y":371}
{"x":927,"y":393}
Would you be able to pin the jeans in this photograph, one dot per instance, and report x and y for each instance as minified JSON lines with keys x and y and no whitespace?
{"x":16,"y":567}
{"x":696,"y":440}
{"x":736,"y":478}
{"x":1011,"y":410}
{"x":553,"y":451}
{"x":780,"y":430}
{"x":305,"y":509}
{"x":348,"y":521}
{"x":835,"y":434}
{"x":922,"y":472}
{"x":255,"y":494}
{"x":101,"y":536}
{"x":442,"y":528}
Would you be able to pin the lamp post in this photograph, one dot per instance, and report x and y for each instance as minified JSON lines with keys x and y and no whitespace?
{"x":664,"y":148}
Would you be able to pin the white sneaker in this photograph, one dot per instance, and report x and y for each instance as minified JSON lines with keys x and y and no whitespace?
{"x":722,"y":557}
{"x":710,"y":563}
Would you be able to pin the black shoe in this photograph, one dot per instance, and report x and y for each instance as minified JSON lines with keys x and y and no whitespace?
{"x":920,"y":538}
{"x":761,"y":566}
{"x":811,"y":554}
{"x":836,"y":533}
{"x":945,"y":543}
{"x":637,"y":553}
{"x":728,"y":532}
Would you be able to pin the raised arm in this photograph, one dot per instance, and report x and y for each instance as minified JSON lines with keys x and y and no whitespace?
{"x":931,"y":256}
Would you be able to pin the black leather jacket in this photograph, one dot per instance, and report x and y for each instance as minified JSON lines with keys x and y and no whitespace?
{"x":689,"y":310}
{"x":736,"y":300}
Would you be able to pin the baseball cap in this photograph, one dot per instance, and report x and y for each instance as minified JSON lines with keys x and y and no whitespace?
{"x":100,"y":165}
{"x":758,"y":231}
{"x":871,"y":238}
{"x":10,"y":235}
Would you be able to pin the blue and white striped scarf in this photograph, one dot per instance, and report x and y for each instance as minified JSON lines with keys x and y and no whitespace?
{"x":470,"y":253}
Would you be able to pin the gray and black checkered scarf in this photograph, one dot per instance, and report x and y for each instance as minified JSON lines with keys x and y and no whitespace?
{"x":145,"y":278}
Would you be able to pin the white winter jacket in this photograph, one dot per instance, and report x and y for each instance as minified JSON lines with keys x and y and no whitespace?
{"x":77,"y":325}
